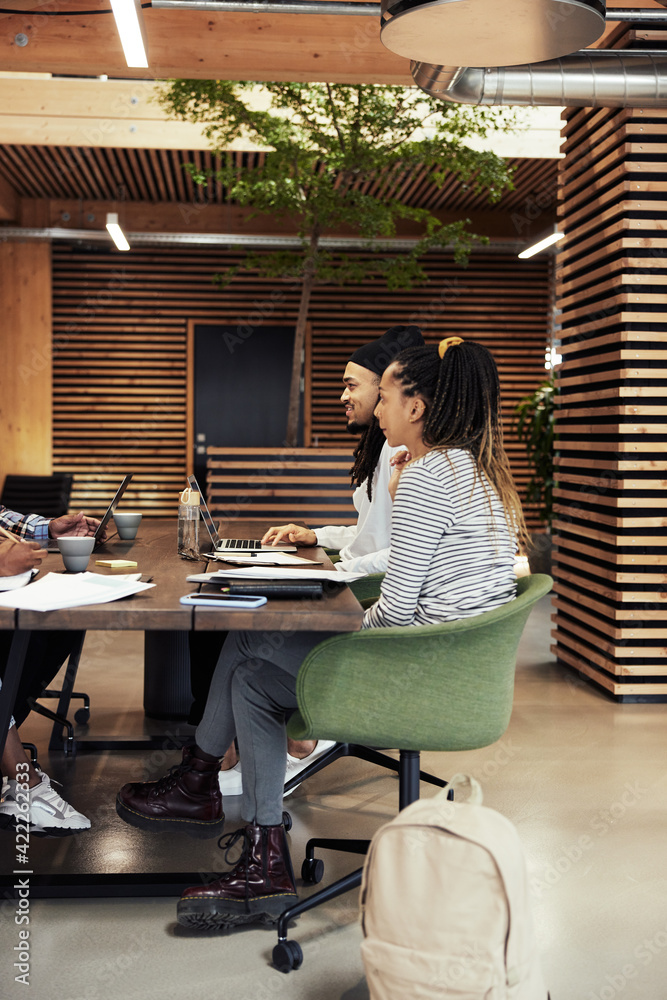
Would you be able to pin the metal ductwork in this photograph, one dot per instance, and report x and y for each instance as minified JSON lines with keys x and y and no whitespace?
{"x":357,"y":8}
{"x":592,"y":79}
{"x":489,"y":32}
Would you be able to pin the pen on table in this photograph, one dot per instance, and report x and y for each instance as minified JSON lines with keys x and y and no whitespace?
{"x":9,"y":535}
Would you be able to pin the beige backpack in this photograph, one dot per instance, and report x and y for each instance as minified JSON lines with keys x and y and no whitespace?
{"x":445,"y":907}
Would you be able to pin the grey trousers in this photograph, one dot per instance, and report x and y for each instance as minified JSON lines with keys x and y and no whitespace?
{"x":252,"y":690}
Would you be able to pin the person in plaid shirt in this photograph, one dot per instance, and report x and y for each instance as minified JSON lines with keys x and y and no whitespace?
{"x":40,"y":529}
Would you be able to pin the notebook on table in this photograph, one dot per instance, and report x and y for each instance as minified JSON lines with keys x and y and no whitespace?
{"x":53,"y":542}
{"x":239,"y":545}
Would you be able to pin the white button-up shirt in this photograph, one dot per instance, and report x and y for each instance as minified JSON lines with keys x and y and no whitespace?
{"x":364,"y":546}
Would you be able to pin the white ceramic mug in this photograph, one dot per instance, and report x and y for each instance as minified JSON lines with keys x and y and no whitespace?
{"x":127,"y":523}
{"x":76,"y":550}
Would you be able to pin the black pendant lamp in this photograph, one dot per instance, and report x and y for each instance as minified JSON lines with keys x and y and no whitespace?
{"x":489,"y":32}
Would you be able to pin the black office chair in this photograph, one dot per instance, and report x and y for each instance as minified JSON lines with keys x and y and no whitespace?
{"x":45,"y":495}
{"x":49,"y":496}
{"x":62,"y":731}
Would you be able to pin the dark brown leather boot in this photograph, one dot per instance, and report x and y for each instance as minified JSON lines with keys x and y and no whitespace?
{"x":257,"y":889}
{"x":187,"y":799}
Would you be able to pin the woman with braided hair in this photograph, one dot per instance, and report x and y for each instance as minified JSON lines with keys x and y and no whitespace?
{"x":455,"y":522}
{"x":457,"y":517}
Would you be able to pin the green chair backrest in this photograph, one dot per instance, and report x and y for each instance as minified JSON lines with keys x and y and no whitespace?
{"x":426,"y":687}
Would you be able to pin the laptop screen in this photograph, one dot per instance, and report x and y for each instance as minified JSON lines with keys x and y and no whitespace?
{"x":112,"y":506}
{"x":205,"y":512}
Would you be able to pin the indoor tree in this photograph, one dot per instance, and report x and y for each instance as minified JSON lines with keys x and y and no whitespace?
{"x":327,"y":146}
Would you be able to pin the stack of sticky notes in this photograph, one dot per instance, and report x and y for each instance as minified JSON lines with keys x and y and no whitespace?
{"x":116,"y":563}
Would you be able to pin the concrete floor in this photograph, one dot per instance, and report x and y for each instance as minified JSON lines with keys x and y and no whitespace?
{"x":582,"y":778}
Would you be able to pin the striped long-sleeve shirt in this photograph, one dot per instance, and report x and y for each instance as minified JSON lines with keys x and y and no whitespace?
{"x":452,"y":553}
{"x":32,"y":527}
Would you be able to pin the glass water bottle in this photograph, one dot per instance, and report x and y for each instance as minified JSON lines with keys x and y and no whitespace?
{"x":188,"y":525}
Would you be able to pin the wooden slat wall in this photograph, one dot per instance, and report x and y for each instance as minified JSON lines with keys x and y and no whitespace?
{"x":499,"y":301}
{"x":279,"y":485}
{"x":119,"y":381}
{"x":120,"y":324}
{"x":611,"y":500}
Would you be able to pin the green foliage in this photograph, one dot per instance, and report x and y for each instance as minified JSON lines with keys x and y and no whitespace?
{"x":326,"y":146}
{"x":535,"y":427}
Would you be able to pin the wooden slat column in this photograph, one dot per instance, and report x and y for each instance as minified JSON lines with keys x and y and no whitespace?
{"x":611,"y":500}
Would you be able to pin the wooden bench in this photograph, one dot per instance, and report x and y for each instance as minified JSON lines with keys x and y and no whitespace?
{"x":280,"y":485}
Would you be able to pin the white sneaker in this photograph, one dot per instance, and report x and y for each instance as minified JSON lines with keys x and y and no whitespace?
{"x":48,"y":813}
{"x":231,"y":781}
{"x":297,"y":764}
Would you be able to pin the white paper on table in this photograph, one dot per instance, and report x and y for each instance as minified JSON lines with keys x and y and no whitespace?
{"x":20,"y":580}
{"x":58,"y":590}
{"x":265,"y":559}
{"x":284,"y":573}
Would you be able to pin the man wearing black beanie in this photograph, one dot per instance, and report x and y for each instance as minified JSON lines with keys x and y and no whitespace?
{"x":363,"y":547}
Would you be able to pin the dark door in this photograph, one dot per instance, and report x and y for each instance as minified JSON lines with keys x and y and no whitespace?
{"x":241,"y":387}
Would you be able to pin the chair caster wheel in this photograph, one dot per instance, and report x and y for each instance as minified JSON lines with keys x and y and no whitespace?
{"x":287,"y":822}
{"x":312,"y":870}
{"x":82,"y":715}
{"x":287,"y":955}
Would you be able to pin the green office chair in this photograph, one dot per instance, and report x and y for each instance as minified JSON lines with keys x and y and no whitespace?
{"x":367,"y":592}
{"x":431,"y":687}
{"x":367,"y":589}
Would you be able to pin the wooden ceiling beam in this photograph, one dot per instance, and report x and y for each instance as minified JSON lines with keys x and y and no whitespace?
{"x":196,"y":217}
{"x":207,"y":45}
{"x":107,"y":113}
{"x":215,"y":45}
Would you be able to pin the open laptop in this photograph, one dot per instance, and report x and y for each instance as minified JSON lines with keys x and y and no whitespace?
{"x":53,"y":542}
{"x":231,"y":544}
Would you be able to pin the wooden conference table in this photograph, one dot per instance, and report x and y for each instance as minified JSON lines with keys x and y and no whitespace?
{"x":154,"y":551}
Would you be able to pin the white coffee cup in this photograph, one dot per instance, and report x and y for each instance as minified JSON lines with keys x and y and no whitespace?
{"x":76,"y":550}
{"x":127,"y":523}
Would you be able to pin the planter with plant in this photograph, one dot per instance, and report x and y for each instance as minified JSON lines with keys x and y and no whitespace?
{"x":535,"y":427}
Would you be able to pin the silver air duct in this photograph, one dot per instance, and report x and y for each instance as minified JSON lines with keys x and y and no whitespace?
{"x":355,"y":8}
{"x":592,"y":79}
{"x":489,"y":32}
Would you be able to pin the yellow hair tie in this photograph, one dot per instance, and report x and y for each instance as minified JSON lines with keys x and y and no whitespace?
{"x":448,"y":342}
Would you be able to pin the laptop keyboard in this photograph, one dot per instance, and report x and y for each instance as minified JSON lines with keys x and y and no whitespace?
{"x":240,"y":543}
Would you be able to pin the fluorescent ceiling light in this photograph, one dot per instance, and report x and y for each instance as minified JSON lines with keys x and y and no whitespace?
{"x":130,"y":28}
{"x":541,"y":245}
{"x":115,"y":232}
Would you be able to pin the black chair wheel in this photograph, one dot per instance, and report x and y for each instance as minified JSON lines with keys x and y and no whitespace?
{"x":287,"y":822}
{"x":287,"y":955}
{"x":82,"y":715}
{"x":312,"y":870}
